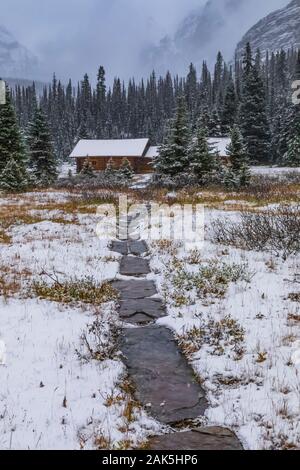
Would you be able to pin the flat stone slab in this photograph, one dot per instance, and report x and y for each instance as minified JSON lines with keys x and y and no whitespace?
{"x":137,"y":248}
{"x":213,"y":438}
{"x":141,"y":311}
{"x":164,"y":381}
{"x":119,"y":247}
{"x":133,"y":266}
{"x":135,"y":289}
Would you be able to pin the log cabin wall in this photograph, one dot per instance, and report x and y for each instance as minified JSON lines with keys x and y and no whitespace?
{"x":139,"y":164}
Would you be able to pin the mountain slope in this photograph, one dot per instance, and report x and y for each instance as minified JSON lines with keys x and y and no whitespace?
{"x":15,"y":60}
{"x":195,"y":38}
{"x":278,"y":30}
{"x":216,"y":25}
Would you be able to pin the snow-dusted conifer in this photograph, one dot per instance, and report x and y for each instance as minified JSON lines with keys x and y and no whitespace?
{"x":11,"y":140}
{"x":41,"y":156}
{"x":14,"y":177}
{"x":202,"y":158}
{"x":239,"y":171}
{"x":126,"y":170}
{"x":173,"y":154}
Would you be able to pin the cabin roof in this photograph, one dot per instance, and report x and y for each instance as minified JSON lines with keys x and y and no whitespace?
{"x":152,"y":152}
{"x":110,"y":148}
{"x":132,"y":148}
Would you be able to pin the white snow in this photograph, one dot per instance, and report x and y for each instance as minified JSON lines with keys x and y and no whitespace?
{"x":49,"y":397}
{"x":274,"y":171}
{"x":261,"y":400}
{"x":110,"y":148}
{"x":220,"y":144}
{"x":152,"y":152}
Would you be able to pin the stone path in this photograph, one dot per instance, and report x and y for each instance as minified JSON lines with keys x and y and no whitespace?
{"x":213,"y":438}
{"x":164,"y":382}
{"x":161,"y":375}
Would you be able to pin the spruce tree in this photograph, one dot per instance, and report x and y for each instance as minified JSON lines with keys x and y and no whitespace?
{"x":292,"y":156}
{"x":11,"y":140}
{"x":202,"y":158}
{"x":126,"y":170}
{"x":101,"y":110}
{"x":41,"y":157}
{"x":229,"y":112}
{"x":14,"y":177}
{"x":238,"y":171}
{"x":87,"y":169}
{"x":173,"y":154}
{"x":111,"y":168}
{"x":253,"y":116}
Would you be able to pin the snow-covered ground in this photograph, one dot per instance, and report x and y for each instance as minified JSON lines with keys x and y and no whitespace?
{"x":243,"y":342}
{"x":67,"y":167}
{"x":273,"y":171}
{"x":50,"y":398}
{"x":231,"y":310}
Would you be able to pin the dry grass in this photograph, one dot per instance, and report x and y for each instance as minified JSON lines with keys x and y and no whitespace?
{"x":4,"y":237}
{"x":217,"y":334}
{"x":99,"y":341}
{"x":262,"y":191}
{"x":294,"y":317}
{"x":85,"y":291}
{"x":294,"y":296}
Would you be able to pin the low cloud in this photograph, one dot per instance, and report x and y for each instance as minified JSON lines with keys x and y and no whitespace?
{"x":72,"y":37}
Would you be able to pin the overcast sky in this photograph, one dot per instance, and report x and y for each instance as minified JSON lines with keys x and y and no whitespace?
{"x":74,"y":36}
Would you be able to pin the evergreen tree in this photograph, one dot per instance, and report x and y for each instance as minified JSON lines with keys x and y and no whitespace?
{"x":126,"y":170}
{"x":253,"y":116}
{"x":238,"y":172}
{"x":87,"y":169}
{"x":191,"y":92}
{"x":292,"y":156}
{"x":229,"y":112}
{"x":14,"y":177}
{"x":173,"y":155}
{"x":41,"y":157}
{"x":101,"y":111}
{"x":202,"y":158}
{"x":110,"y":169}
{"x":215,"y":124}
{"x":11,"y":141}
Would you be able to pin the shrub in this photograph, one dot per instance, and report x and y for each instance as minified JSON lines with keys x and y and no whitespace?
{"x":211,"y":279}
{"x":225,"y":333}
{"x":76,"y":290}
{"x":275,"y":230}
{"x":99,"y":341}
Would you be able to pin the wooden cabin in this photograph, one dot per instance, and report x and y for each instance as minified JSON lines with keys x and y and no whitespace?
{"x":138,"y":151}
{"x":99,"y":152}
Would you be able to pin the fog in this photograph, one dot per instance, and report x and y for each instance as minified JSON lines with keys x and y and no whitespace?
{"x":72,"y":37}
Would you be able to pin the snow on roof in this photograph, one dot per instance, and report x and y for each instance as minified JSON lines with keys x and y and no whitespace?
{"x":110,"y":148}
{"x":152,"y":152}
{"x":220,"y":144}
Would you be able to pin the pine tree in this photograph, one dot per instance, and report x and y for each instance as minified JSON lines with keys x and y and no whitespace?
{"x":14,"y":177}
{"x":87,"y":169}
{"x":202,"y":158}
{"x":11,"y":141}
{"x":111,"y":168}
{"x":292,"y":156}
{"x":41,"y":157}
{"x":191,"y":92}
{"x":238,"y":169}
{"x":229,"y":112}
{"x":126,"y":170}
{"x":101,"y":111}
{"x":173,"y":155}
{"x":253,"y":116}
